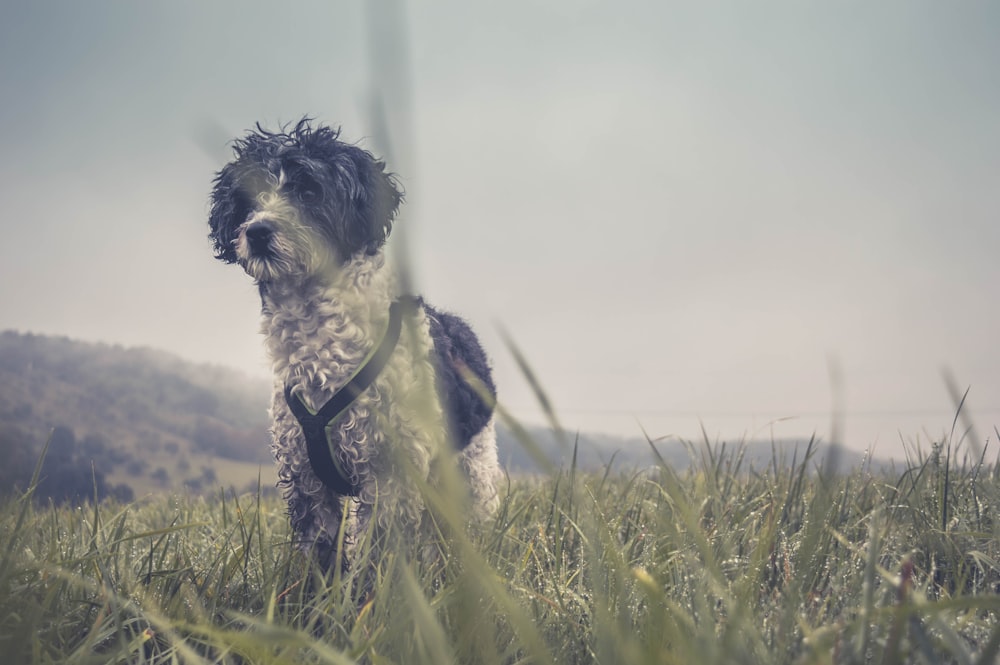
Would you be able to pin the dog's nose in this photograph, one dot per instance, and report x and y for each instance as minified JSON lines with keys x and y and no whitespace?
{"x":259,"y":236}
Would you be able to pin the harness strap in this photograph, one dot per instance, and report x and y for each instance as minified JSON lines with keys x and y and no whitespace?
{"x":316,"y":426}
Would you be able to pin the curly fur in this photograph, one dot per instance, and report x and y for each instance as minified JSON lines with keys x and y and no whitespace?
{"x":306,"y":216}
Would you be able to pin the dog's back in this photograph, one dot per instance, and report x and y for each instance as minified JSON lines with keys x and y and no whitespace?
{"x":457,"y":348}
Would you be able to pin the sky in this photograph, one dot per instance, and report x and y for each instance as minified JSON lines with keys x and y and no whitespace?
{"x":722,"y":219}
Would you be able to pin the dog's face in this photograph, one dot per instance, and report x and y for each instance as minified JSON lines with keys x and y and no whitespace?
{"x":293,"y":203}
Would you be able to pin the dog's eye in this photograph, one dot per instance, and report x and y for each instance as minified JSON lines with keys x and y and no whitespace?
{"x":308,"y":191}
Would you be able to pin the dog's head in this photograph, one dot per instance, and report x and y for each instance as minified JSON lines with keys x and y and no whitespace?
{"x":296,"y":201}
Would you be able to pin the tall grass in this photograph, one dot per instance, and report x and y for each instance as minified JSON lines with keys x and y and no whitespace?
{"x":721,"y":563}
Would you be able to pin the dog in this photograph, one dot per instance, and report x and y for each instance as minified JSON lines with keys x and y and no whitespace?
{"x":373,"y":389}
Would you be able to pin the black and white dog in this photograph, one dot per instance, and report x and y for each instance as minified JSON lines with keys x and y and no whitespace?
{"x":373,"y":389}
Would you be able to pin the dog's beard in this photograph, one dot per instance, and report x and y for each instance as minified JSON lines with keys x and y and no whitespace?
{"x":293,"y":250}
{"x":277,"y":261}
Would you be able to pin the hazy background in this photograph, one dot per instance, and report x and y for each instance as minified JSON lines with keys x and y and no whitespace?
{"x":681,"y":212}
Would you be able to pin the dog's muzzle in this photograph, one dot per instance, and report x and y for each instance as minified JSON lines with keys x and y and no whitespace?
{"x":258,"y":235}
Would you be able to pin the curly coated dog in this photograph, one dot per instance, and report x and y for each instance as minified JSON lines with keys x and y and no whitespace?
{"x":373,"y":389}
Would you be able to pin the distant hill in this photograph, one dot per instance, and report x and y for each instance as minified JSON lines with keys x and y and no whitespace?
{"x":596,"y":451}
{"x":138,"y":420}
{"x":146,"y":419}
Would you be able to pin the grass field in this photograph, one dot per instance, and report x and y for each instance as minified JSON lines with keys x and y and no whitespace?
{"x":786,"y":564}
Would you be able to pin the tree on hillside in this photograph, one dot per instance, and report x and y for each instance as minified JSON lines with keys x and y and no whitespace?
{"x":214,"y":437}
{"x":67,"y":475}
{"x":19,"y":460}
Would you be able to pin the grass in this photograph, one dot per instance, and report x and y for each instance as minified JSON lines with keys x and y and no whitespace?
{"x":723,"y":563}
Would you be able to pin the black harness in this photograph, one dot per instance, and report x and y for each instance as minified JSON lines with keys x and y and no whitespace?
{"x":316,"y":426}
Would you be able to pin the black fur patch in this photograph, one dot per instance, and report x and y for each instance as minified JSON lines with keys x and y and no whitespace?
{"x":455,"y":345}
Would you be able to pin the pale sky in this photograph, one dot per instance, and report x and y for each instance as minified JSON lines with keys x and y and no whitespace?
{"x":681,"y":212}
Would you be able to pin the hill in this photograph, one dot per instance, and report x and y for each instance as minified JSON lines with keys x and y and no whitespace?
{"x":143,"y":418}
{"x":140,"y":420}
{"x":595,"y":451}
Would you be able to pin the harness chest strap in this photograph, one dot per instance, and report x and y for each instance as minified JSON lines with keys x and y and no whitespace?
{"x":316,"y":425}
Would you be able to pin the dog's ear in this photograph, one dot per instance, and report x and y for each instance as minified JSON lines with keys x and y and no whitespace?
{"x":229,"y":209}
{"x":372,"y":199}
